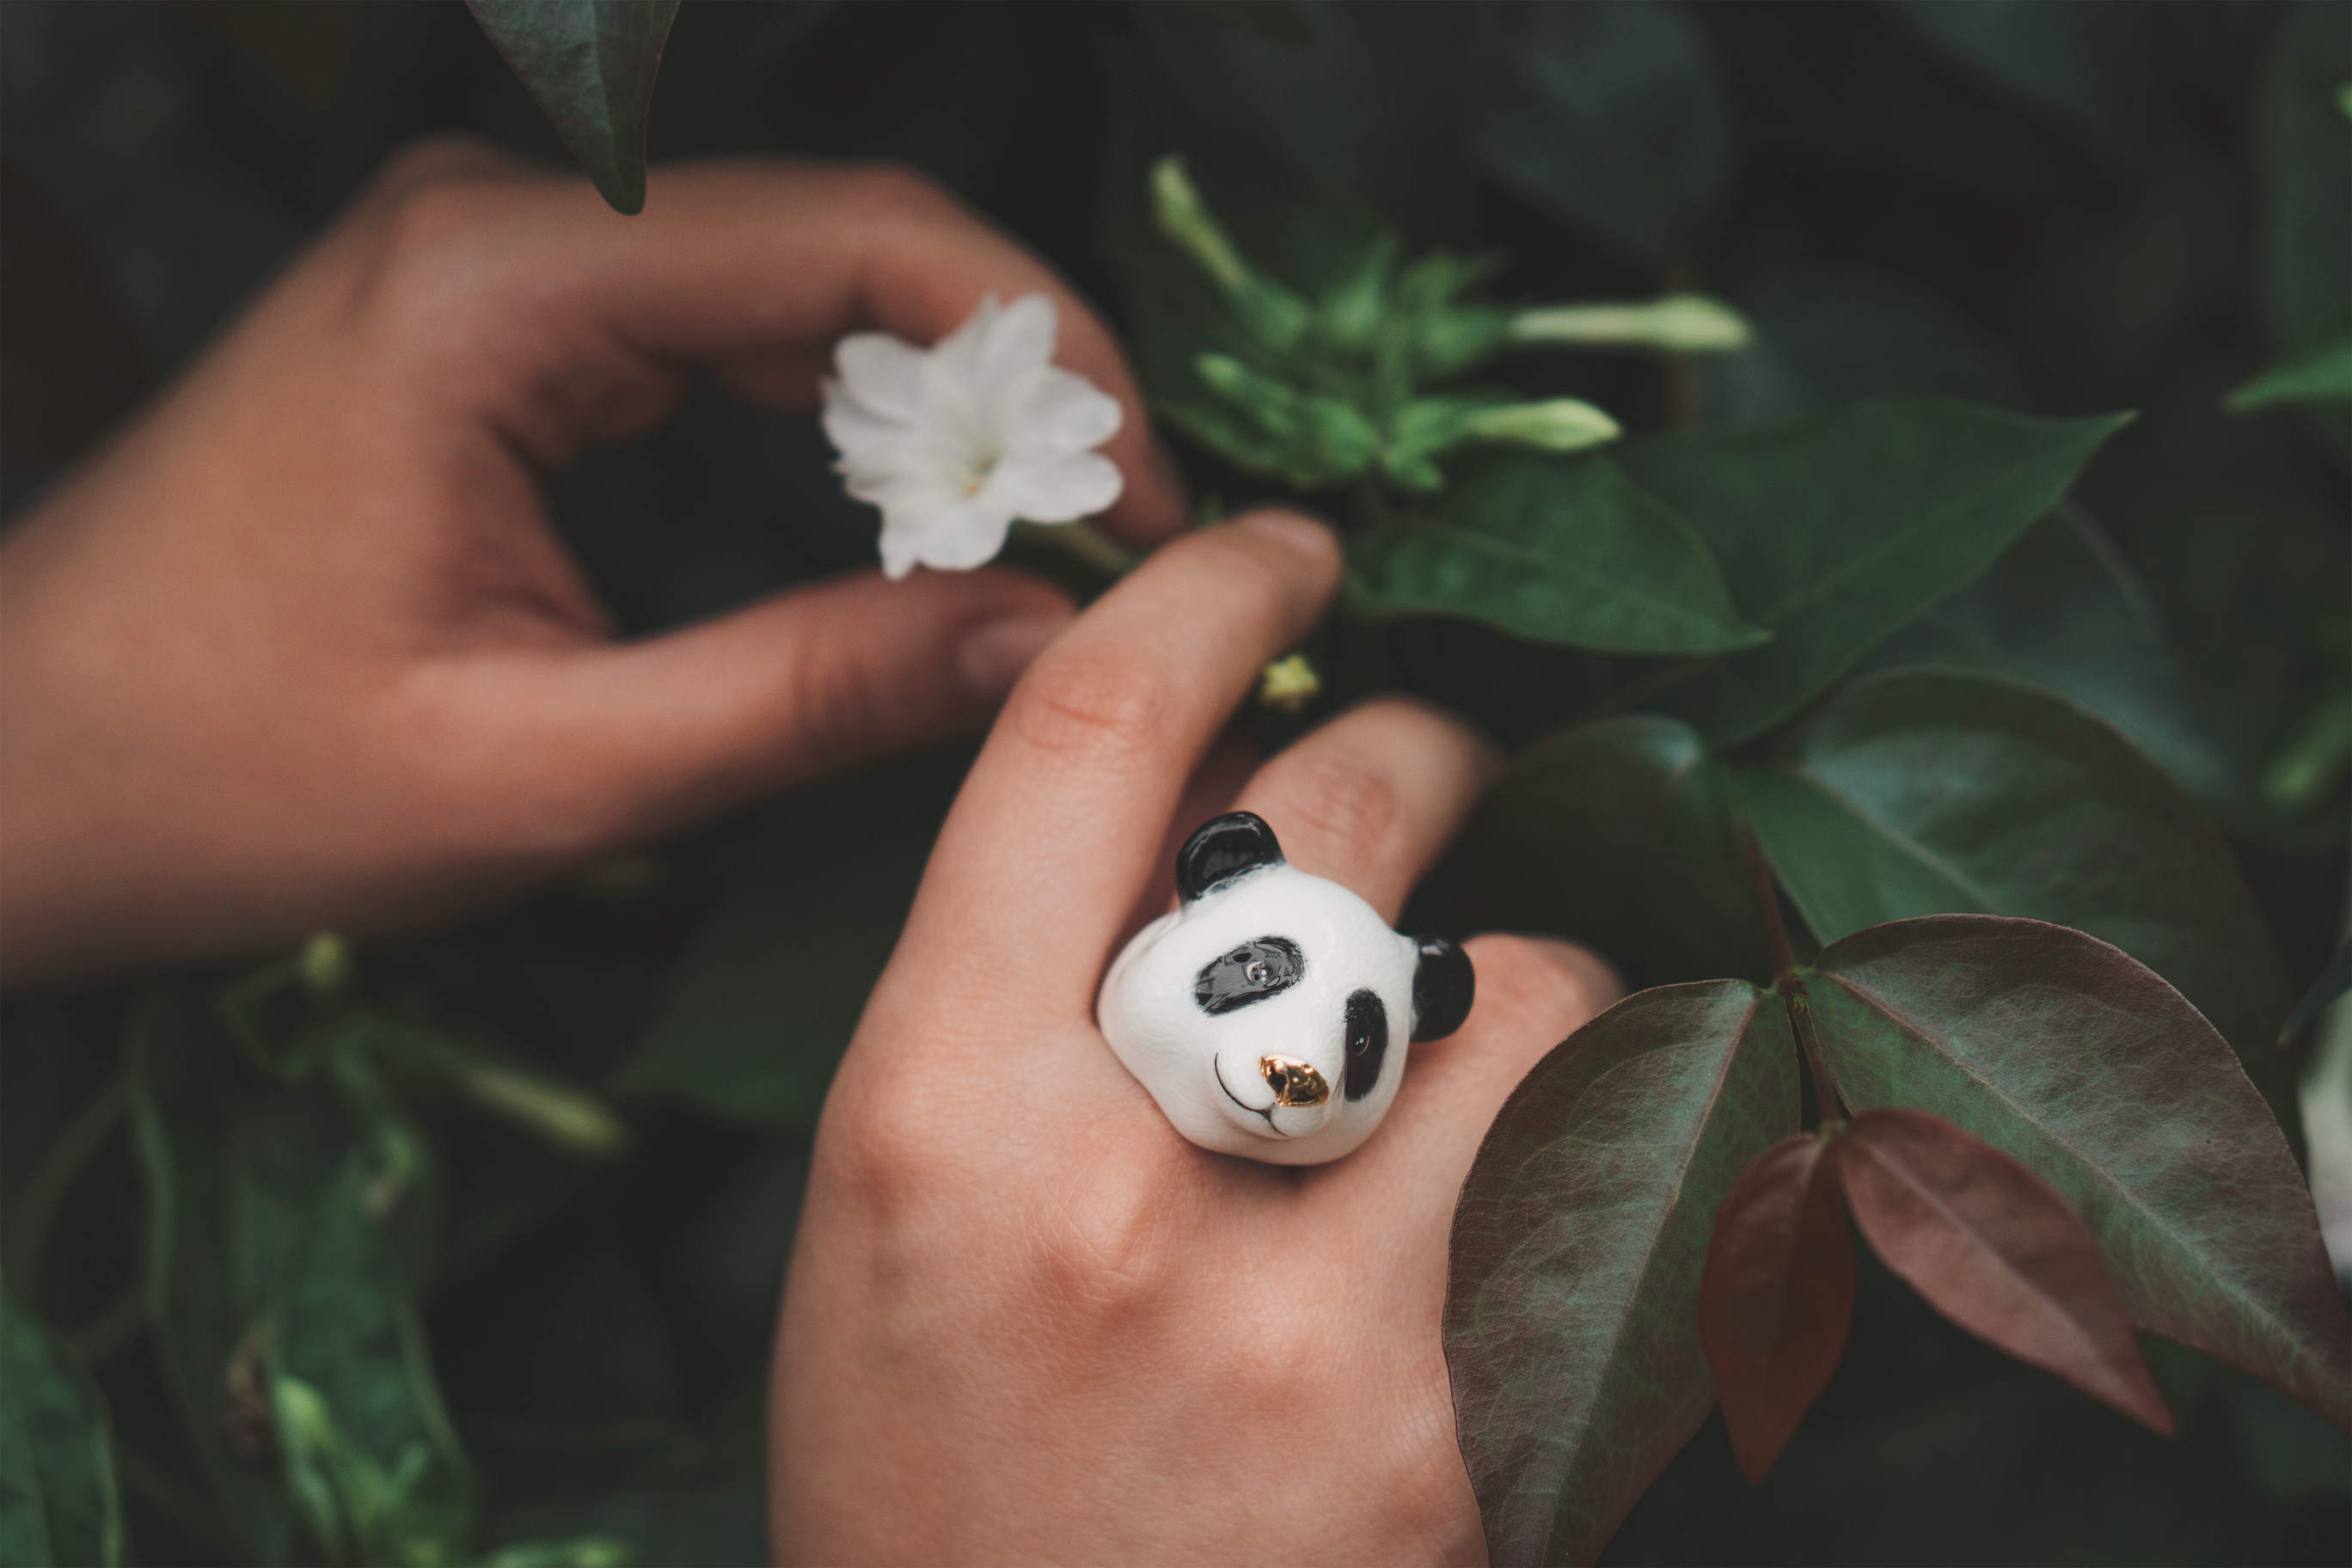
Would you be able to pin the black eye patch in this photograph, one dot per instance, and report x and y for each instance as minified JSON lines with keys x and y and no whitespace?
{"x":1251,"y":973}
{"x":1368,"y":1043}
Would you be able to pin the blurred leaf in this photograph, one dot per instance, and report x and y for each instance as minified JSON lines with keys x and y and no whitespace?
{"x":764,"y":1005}
{"x":1838,"y":528}
{"x":369,"y":1451}
{"x":1619,"y":834}
{"x":1995,"y":1250}
{"x":69,"y":363}
{"x":2303,"y":152}
{"x":1567,"y":552}
{"x":302,"y":45}
{"x":57,"y":1500}
{"x":2086,"y":68}
{"x":1829,"y":331}
{"x":2331,"y":983}
{"x":1928,"y":792}
{"x":1612,"y":117}
{"x":220,"y":1206}
{"x":2063,"y":1053}
{"x":1777,"y":1297}
{"x":591,"y":66}
{"x":2064,"y":611}
{"x":2323,"y":374}
{"x":1571,"y":1305}
{"x":1365,"y":100}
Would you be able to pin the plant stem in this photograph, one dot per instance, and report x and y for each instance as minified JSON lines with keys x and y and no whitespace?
{"x":71,"y":1150}
{"x":1082,"y":541}
{"x":1785,"y":979}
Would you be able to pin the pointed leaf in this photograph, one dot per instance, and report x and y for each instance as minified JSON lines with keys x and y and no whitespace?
{"x":1776,"y":1297}
{"x":1995,"y":1250}
{"x":591,"y":65}
{"x":1835,"y":529}
{"x":2322,"y":375}
{"x":1570,"y":1309}
{"x":1928,"y":792}
{"x":1619,"y":834}
{"x":58,"y":1498}
{"x":2067,"y":1055}
{"x":1564,"y":552}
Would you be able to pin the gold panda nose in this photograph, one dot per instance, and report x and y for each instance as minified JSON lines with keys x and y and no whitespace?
{"x":1294,"y":1082}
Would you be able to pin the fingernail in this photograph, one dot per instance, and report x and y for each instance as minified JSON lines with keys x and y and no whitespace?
{"x":1293,"y":530}
{"x":992,"y":655}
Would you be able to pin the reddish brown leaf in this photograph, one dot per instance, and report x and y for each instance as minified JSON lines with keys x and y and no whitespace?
{"x":1776,"y":1297}
{"x":1994,"y":1250}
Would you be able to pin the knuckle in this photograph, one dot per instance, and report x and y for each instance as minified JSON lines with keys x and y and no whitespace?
{"x":1103,"y":708}
{"x":1105,"y":1252}
{"x":1355,"y":813}
{"x":837,"y":704}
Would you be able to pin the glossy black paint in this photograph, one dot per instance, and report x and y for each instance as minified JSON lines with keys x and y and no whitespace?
{"x":1258,"y":969}
{"x":1222,"y":849}
{"x":1368,"y":1043}
{"x":1444,"y":986}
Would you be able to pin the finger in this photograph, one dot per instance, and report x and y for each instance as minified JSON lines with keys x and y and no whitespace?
{"x":815,"y":682}
{"x":561,"y":323}
{"x":1059,"y":826}
{"x":1223,"y":774}
{"x":1397,"y":1192}
{"x":1371,"y":798}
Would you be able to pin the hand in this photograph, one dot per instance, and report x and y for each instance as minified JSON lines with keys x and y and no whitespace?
{"x":299,"y":650}
{"x":1025,"y":1321}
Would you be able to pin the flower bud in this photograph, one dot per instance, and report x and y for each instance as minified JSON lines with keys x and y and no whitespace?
{"x":1676,"y":323}
{"x":1555,"y":424}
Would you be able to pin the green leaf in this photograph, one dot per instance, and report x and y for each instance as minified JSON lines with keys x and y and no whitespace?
{"x":2064,"y":611}
{"x":1612,"y":117}
{"x":591,"y":66}
{"x":1928,"y":792}
{"x":2065,"y":1054}
{"x":764,"y":1005}
{"x":2086,"y":68}
{"x":58,"y":1498}
{"x":1828,"y":331}
{"x":1620,"y":834}
{"x":1565,"y":552}
{"x":2322,"y":375}
{"x":1836,"y":530}
{"x":1571,"y":1305}
{"x":369,"y":1451}
{"x":2303,"y":155}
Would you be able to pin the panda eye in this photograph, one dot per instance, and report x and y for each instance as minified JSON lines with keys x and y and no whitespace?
{"x":1250,"y":973}
{"x":1368,"y":1043}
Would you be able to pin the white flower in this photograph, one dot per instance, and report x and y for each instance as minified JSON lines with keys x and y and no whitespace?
{"x":954,"y":442}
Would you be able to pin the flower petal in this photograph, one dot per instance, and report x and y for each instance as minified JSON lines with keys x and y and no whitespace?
{"x":1060,"y":410}
{"x":883,"y":374}
{"x":955,"y":539}
{"x":1056,"y":488}
{"x":1016,"y":341}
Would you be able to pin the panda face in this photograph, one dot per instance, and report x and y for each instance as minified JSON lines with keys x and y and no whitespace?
{"x":1269,"y":1016}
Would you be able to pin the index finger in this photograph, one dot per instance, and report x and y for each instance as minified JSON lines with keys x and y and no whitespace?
{"x":1060,"y":823}
{"x":572,"y":317}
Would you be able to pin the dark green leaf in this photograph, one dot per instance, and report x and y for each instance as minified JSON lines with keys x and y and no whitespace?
{"x":2083,"y":67}
{"x":1928,"y":792}
{"x":225,"y":1180}
{"x":2323,"y":374}
{"x":1566,"y":553}
{"x":1826,"y":332}
{"x":591,"y":64}
{"x":2063,"y":1053}
{"x":1612,"y":117}
{"x":1620,"y":834}
{"x":2304,"y":144}
{"x":1836,"y":530}
{"x":1572,"y":1309}
{"x":2064,"y":611}
{"x":763,"y":1005}
{"x":58,"y":1501}
{"x":2321,"y":994}
{"x":70,"y":366}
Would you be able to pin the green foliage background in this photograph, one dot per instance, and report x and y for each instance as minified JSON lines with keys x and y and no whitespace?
{"x":2059,"y":210}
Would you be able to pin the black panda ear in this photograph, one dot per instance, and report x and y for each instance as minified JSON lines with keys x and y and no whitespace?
{"x":1222,"y":849}
{"x":1443,"y":985}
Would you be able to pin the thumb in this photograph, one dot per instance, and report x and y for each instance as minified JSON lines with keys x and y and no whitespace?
{"x":642,"y":737}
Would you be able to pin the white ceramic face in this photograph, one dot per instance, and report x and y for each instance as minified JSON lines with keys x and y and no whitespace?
{"x":1284,"y":953}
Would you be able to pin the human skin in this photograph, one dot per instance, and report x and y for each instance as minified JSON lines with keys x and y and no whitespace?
{"x":1027,"y":1323}
{"x":298,"y":651}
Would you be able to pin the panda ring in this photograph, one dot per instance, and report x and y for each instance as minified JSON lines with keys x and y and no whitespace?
{"x":1259,"y":1014}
